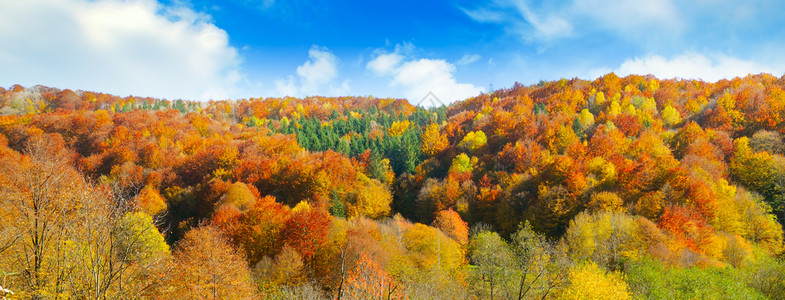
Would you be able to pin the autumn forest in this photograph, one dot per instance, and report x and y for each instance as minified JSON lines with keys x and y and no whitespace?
{"x":613,"y":188}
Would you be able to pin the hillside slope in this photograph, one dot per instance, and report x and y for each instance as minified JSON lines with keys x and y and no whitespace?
{"x":525,"y":192}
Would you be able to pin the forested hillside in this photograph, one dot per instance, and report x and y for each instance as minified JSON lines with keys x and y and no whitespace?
{"x":620,"y":188}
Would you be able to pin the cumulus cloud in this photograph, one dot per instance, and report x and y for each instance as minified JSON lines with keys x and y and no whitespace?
{"x":314,"y":77}
{"x":418,"y":77}
{"x":135,"y":47}
{"x":690,"y":66}
{"x":385,"y":63}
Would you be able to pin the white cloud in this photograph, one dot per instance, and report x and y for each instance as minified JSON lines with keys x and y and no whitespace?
{"x":468,"y":59}
{"x":319,"y":70}
{"x":485,"y":15}
{"x":416,"y":78}
{"x":691,"y":66}
{"x":523,"y":19}
{"x":316,"y":76}
{"x":385,"y":63}
{"x":125,"y":47}
{"x":546,"y":26}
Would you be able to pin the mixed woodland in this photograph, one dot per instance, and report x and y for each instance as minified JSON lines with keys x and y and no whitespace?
{"x":613,"y":188}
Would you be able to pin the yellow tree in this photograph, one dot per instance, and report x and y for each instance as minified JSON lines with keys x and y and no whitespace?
{"x":728,"y":104}
{"x":588,"y":281}
{"x":209,"y":268}
{"x":603,"y":237}
{"x":138,"y":240}
{"x":585,"y":120}
{"x":431,"y":249}
{"x":241,"y":196}
{"x":41,"y":192}
{"x":140,"y":247}
{"x":433,"y":141}
{"x":670,"y":116}
{"x":286,"y":268}
{"x":463,"y":163}
{"x":473,"y":140}
{"x":372,"y":198}
{"x":605,"y":201}
{"x":398,"y":128}
{"x":74,"y":239}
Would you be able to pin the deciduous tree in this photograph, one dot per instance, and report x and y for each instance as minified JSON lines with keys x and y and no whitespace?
{"x":209,"y":268}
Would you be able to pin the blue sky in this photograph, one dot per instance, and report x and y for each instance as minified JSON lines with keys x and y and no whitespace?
{"x":196,"y":49}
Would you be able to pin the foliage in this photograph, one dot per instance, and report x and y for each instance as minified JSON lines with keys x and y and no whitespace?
{"x":371,"y":200}
{"x":650,"y":279}
{"x":670,"y":116}
{"x":139,"y":240}
{"x":306,"y":230}
{"x":150,"y":201}
{"x":606,"y":238}
{"x":564,"y":179}
{"x":433,"y":142}
{"x":588,"y":281}
{"x":492,"y":257}
{"x":473,"y":140}
{"x":449,"y":222}
{"x":209,"y":268}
